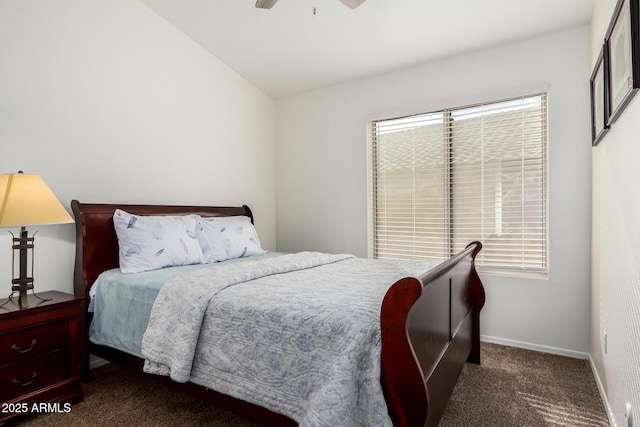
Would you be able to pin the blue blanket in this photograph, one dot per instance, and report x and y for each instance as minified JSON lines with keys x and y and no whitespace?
{"x":122,"y":303}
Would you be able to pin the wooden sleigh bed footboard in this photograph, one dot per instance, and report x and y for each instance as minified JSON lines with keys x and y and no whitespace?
{"x":430,"y":324}
{"x":430,"y":328}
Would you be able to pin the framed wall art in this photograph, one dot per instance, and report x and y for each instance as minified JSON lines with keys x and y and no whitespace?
{"x":599,"y":98}
{"x":622,"y":44}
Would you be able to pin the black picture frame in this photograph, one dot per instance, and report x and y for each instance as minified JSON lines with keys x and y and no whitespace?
{"x":599,"y":84}
{"x":622,"y":56}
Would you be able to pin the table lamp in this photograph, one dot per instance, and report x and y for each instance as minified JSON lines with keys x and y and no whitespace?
{"x":27,"y":200}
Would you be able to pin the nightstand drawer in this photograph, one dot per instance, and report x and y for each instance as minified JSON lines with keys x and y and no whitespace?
{"x":29,"y":343}
{"x":34,"y":375}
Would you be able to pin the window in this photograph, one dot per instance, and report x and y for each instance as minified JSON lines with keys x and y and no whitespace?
{"x":442,"y":179}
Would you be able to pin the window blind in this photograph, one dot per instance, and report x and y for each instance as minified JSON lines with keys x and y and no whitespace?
{"x":442,"y":179}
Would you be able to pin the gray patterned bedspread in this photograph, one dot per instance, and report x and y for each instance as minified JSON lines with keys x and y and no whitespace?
{"x":305,"y":344}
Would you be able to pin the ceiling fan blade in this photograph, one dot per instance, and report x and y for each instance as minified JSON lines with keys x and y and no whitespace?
{"x":265,"y":4}
{"x":352,"y":3}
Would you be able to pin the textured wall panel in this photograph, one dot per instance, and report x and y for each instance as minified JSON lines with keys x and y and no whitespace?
{"x":616,"y":196}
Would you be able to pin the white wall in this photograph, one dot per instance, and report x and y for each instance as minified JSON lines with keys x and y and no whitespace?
{"x":322,"y":173}
{"x":109,"y":103}
{"x":616,"y":249}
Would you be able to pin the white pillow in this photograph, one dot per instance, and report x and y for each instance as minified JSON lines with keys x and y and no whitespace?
{"x":152,"y":242}
{"x":227,"y":237}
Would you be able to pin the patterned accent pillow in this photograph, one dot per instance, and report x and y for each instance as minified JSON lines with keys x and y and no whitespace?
{"x":152,"y":242}
{"x":227,"y":237}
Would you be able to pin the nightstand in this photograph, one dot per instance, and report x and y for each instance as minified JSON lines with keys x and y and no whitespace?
{"x":39,"y":355}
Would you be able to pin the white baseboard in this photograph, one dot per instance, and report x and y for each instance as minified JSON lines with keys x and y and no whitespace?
{"x":603,"y":394}
{"x":536,"y":347}
{"x":95,"y":361}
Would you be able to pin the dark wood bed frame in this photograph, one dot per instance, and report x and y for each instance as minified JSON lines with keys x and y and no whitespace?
{"x":430,"y":324}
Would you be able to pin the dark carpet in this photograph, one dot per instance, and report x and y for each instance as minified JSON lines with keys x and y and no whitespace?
{"x":512,"y":387}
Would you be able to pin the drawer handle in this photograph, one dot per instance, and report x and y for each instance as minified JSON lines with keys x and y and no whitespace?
{"x":16,"y":381}
{"x":17,"y":349}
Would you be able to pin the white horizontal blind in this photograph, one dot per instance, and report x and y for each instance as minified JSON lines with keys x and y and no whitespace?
{"x":443,"y":179}
{"x":409,"y":162}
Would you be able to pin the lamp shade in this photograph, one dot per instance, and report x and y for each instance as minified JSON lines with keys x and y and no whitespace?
{"x":27,"y":200}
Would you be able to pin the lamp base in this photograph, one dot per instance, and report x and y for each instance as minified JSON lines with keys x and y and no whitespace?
{"x":23,"y":300}
{"x":22,"y":283}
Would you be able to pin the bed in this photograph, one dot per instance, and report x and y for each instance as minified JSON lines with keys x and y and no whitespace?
{"x":428,"y":324}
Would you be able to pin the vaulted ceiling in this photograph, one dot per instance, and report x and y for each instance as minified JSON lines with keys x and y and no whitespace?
{"x":303,"y":45}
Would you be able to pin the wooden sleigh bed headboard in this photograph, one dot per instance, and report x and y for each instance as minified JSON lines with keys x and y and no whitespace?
{"x":430,"y":324}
